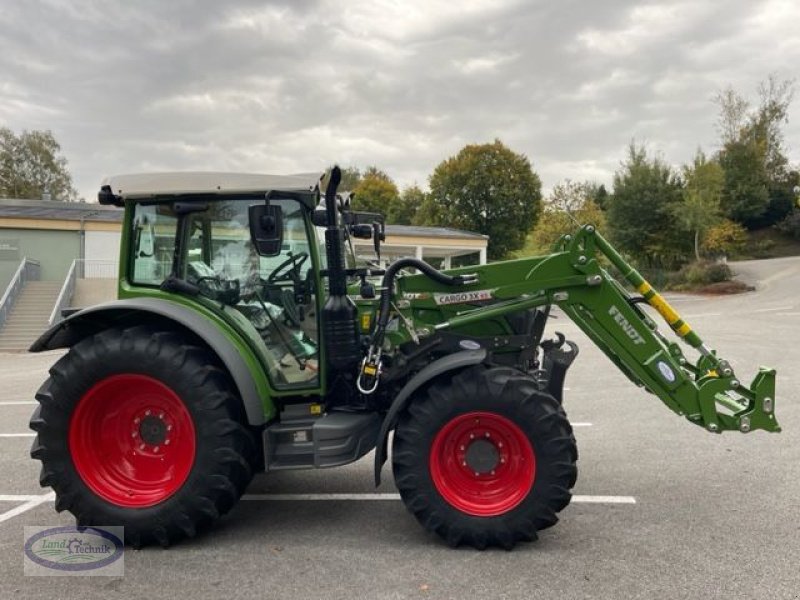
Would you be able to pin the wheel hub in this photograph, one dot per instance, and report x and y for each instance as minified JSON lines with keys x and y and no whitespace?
{"x":153,"y":430}
{"x":482,"y":456}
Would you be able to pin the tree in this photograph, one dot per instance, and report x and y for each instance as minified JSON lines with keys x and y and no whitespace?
{"x":488,"y":189}
{"x":700,"y":209}
{"x":411,"y":201}
{"x":31,"y":167}
{"x":351,"y":176}
{"x":724,"y":238}
{"x":569,"y":205}
{"x":601,"y":197}
{"x":376,"y":192}
{"x":757,"y":190}
{"x":641,"y":211}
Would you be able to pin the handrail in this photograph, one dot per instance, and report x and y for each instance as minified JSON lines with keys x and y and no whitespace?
{"x":28,"y":269}
{"x":97,"y":268}
{"x":65,"y":295}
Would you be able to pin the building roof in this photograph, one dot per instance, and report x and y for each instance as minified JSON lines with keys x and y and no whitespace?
{"x":440,"y":232}
{"x":53,"y":210}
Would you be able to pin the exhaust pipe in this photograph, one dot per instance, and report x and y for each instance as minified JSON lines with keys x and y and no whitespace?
{"x":339,"y":312}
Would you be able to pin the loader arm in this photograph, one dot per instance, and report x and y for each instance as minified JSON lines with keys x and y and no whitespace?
{"x":706,"y":390}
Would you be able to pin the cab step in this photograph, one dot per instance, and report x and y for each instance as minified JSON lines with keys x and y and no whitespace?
{"x":330,"y":440}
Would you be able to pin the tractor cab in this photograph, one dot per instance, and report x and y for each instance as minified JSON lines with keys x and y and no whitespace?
{"x":251,"y":256}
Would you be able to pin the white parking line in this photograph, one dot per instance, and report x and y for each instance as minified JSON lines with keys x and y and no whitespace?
{"x":19,"y":403}
{"x":18,"y":497}
{"x":773,"y":309}
{"x":581,"y":424}
{"x":318,"y":497}
{"x":604,"y":499}
{"x":368,"y":496}
{"x":32,"y":503}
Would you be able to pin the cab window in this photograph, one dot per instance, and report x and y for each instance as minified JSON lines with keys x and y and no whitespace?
{"x":276,"y":294}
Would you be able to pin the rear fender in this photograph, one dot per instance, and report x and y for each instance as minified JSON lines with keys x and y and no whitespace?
{"x":238,"y":359}
{"x":451,"y":362}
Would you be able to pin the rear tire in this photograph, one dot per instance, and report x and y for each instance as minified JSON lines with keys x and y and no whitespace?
{"x":138,"y":428}
{"x":485,"y":459}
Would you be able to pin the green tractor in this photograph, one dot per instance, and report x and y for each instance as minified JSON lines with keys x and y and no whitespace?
{"x":245,"y":340}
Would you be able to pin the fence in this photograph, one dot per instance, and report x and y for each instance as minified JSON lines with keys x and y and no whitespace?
{"x":89,"y":268}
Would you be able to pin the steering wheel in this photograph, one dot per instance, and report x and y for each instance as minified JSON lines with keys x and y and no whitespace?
{"x":295,"y":261}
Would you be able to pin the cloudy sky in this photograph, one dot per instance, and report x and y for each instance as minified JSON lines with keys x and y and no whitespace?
{"x":296,"y":85}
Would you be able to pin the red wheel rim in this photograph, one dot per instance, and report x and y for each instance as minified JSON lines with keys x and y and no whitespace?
{"x":482,"y":464}
{"x":132,"y":440}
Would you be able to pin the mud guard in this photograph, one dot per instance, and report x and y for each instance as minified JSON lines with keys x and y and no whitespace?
{"x":91,"y":320}
{"x":451,"y":362}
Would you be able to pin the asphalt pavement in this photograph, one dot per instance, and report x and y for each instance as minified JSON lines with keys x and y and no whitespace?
{"x":681,"y":513}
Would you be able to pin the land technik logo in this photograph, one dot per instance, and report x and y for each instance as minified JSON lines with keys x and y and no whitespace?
{"x":70,"y":550}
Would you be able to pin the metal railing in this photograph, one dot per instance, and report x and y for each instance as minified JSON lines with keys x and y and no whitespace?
{"x":65,"y":295}
{"x":95,"y":268}
{"x":28,"y":270}
{"x":81,"y":268}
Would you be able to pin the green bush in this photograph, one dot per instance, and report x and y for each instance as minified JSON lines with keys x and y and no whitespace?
{"x":700,"y":273}
{"x":763,"y":248}
{"x":790,"y":225}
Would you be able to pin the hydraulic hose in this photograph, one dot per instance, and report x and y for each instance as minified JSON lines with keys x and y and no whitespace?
{"x":388,"y":285}
{"x":371,"y":365}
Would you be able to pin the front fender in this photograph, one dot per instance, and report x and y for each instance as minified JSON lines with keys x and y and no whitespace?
{"x":451,"y":362}
{"x":239,"y":360}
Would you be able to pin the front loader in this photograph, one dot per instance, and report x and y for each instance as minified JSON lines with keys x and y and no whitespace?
{"x":246,"y":338}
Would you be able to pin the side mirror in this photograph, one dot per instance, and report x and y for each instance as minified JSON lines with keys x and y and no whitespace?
{"x":266,"y":229}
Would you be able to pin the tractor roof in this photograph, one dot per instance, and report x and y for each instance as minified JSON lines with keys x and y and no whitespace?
{"x":152,"y":185}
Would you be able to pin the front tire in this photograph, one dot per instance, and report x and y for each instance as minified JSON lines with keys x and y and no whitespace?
{"x":138,"y":428}
{"x":485,"y":459}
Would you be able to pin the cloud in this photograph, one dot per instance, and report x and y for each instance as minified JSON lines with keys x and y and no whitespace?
{"x":295,"y":85}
